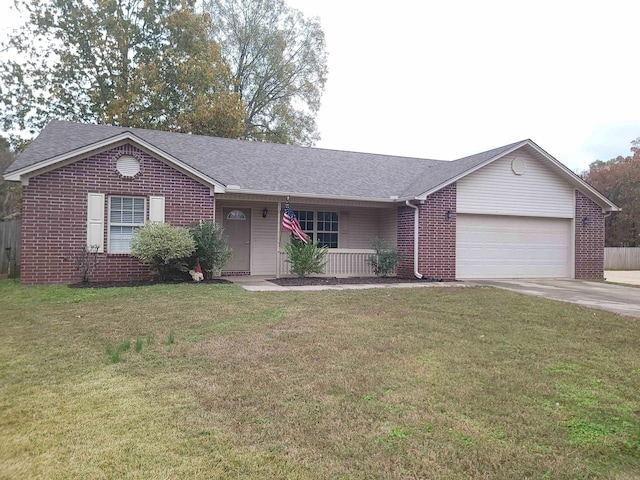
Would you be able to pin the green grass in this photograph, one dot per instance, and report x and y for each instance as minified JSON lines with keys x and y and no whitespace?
{"x":358,"y":384}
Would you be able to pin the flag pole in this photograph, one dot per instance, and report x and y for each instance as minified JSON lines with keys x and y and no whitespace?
{"x":278,"y":220}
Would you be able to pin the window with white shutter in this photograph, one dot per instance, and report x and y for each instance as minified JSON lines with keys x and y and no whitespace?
{"x":156,"y":209}
{"x":95,"y":222}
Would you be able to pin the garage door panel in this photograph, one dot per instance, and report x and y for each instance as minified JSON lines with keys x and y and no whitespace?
{"x":512,"y":247}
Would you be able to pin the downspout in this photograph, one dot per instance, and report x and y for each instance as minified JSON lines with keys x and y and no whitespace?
{"x":416,"y":228}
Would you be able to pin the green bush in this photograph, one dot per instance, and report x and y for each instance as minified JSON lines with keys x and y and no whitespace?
{"x":305,"y":258}
{"x":163,"y":246}
{"x":212,"y":250}
{"x":385,"y":260}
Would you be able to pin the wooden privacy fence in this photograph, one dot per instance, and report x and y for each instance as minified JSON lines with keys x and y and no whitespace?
{"x":10,"y":248}
{"x":622,"y":258}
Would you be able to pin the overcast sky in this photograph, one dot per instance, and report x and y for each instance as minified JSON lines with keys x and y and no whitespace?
{"x":448,"y":78}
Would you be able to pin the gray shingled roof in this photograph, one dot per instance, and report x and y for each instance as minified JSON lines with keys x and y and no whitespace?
{"x":269,"y":167}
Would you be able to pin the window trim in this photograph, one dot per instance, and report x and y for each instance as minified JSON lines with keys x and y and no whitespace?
{"x":313,"y":234}
{"x":110,"y":223}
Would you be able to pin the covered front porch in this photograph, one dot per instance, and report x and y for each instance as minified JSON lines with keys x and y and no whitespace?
{"x":253,"y":226}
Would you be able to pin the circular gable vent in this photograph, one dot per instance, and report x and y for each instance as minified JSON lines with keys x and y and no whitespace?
{"x":128,"y":166}
{"x":518,"y":166}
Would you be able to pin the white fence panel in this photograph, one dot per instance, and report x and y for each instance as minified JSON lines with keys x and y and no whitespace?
{"x":340,"y":263}
{"x":622,"y":258}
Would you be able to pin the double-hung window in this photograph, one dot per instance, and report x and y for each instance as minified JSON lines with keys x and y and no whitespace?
{"x":321,"y":226}
{"x":126,"y":214}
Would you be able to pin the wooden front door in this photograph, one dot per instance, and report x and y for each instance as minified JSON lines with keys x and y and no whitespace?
{"x":237,"y":227}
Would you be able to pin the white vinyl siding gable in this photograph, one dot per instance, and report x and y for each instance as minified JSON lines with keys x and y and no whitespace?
{"x":95,"y":222}
{"x":496,"y":190}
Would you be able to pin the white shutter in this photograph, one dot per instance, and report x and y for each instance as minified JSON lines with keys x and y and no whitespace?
{"x":95,"y":221}
{"x":156,"y":209}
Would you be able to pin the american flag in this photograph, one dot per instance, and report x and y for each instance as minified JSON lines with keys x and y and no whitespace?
{"x":290,"y":224}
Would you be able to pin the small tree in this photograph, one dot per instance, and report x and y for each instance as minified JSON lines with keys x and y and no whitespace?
{"x":305,"y":258}
{"x":163,"y":246}
{"x":385,"y":260}
{"x":212,"y":250}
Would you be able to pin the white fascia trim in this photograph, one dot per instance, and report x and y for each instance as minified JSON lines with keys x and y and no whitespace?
{"x":568,"y":173}
{"x":247,"y":191}
{"x":23,"y":173}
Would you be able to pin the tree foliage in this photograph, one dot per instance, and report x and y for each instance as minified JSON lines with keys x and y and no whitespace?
{"x":279,"y":66}
{"x":619,"y":180}
{"x":133,"y":63}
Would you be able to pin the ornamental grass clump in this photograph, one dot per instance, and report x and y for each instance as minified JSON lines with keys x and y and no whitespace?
{"x":212,"y":250}
{"x":305,"y":258}
{"x":165,"y":247}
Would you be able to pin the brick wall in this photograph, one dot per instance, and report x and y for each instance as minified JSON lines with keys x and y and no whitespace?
{"x":405,"y":242}
{"x":589,"y":260}
{"x":437,"y":236}
{"x":54,"y":218}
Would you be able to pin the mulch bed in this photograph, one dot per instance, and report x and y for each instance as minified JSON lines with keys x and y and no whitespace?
{"x":142,"y":283}
{"x":296,"y":281}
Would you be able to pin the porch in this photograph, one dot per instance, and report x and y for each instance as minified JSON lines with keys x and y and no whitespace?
{"x":253,"y":226}
{"x":341,"y":262}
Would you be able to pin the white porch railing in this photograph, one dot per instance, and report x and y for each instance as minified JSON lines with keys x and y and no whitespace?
{"x":341,"y":262}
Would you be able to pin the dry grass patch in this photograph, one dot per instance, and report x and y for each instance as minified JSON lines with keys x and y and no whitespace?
{"x":389,"y":383}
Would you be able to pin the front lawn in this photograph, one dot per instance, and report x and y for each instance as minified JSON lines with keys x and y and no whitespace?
{"x":211,"y":381}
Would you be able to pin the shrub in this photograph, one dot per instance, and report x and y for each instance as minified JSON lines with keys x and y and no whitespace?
{"x":212,"y":250}
{"x":163,"y":246}
{"x":86,"y":262}
{"x":305,"y":258}
{"x":385,"y":260}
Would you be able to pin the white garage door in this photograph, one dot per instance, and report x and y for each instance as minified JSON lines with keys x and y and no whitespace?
{"x":489,"y":246}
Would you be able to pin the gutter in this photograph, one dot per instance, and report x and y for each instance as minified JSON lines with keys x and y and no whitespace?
{"x":416,"y":227}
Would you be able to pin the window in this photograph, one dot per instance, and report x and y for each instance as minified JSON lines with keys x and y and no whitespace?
{"x":327,"y":229}
{"x":320,"y":226}
{"x":126,"y":214}
{"x":236,"y":215}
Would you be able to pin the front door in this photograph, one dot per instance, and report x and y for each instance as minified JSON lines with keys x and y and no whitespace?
{"x":237,"y":227}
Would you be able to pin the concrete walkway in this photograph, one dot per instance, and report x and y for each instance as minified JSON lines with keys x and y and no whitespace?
{"x":256,"y":283}
{"x":630,"y":277}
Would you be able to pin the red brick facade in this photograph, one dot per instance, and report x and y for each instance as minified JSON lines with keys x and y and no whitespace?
{"x":437,"y":236}
{"x":54,"y":219}
{"x":405,"y":242}
{"x":589,"y":256}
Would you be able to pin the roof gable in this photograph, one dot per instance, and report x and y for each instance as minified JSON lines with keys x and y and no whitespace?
{"x":462,"y":167}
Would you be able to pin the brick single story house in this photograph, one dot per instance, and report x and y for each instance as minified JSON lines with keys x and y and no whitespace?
{"x":511,"y":212}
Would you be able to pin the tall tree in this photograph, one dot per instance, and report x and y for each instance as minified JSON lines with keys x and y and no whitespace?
{"x":144,"y":63}
{"x":279,"y":65}
{"x":619,"y":180}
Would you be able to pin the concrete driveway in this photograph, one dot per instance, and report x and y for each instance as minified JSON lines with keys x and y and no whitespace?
{"x":614,"y":298}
